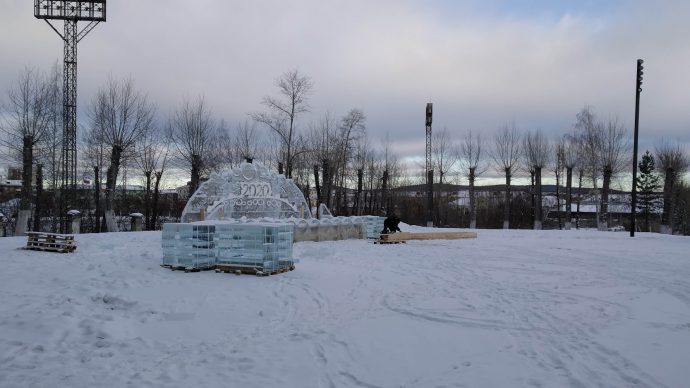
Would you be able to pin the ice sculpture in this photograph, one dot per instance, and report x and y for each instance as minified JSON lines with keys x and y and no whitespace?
{"x":250,"y":190}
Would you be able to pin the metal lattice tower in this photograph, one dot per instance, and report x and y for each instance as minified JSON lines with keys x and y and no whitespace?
{"x":71,"y":12}
{"x":429,"y":167}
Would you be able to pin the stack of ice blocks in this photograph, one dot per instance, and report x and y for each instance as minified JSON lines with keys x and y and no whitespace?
{"x":189,"y":246}
{"x":267,"y":247}
{"x":373,"y":225}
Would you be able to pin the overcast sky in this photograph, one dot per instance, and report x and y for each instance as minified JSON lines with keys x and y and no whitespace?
{"x":482,"y":63}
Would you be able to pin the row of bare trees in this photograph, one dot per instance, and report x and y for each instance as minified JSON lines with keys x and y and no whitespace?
{"x":331,"y":158}
{"x":596,"y":150}
{"x":123,"y":132}
{"x":31,"y":132}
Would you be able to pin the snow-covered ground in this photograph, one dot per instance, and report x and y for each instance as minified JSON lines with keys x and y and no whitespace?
{"x":508,"y":309}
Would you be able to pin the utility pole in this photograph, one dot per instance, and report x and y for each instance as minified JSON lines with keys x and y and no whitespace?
{"x":71,"y":12}
{"x":638,"y":89}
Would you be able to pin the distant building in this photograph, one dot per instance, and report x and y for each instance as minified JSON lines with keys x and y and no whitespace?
{"x":10,"y":188}
{"x":14,"y":173}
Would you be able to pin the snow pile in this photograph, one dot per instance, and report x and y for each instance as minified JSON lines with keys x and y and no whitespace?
{"x":510,"y":308}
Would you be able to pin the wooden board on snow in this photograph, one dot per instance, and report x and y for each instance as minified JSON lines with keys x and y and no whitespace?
{"x":403,"y":236}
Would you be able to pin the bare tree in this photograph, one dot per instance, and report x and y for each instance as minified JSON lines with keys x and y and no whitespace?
{"x":282,"y":114}
{"x":506,"y":155}
{"x":323,"y":141}
{"x":537,"y":151}
{"x":158,"y":173}
{"x":29,"y":114}
{"x":373,"y":174}
{"x":53,"y":146}
{"x":246,"y":141}
{"x":47,"y":153}
{"x":301,"y":168}
{"x":673,"y":163}
{"x":390,"y":162}
{"x":558,"y":166}
{"x":194,"y":134}
{"x":362,"y":154}
{"x":351,"y":128}
{"x":149,"y":157}
{"x":122,"y":115}
{"x":614,"y":160}
{"x":93,"y":156}
{"x":444,"y":156}
{"x":470,"y":158}
{"x":570,"y":161}
{"x":590,"y":140}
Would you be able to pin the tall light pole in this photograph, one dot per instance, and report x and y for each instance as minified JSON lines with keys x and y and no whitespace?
{"x":71,"y":12}
{"x":638,"y":89}
{"x":429,"y":167}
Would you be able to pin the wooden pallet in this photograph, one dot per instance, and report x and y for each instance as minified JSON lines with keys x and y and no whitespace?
{"x":405,"y":236}
{"x":230,"y":268}
{"x":187,"y":269}
{"x":50,"y":242}
{"x":239,"y":269}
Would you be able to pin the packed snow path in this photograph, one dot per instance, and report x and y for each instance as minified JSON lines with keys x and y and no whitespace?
{"x":510,"y":309}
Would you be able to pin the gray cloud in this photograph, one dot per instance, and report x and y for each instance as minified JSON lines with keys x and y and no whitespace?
{"x":481,"y":69}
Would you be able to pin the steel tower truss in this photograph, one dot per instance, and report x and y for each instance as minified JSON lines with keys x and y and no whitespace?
{"x":71,"y":12}
{"x":429,"y":167}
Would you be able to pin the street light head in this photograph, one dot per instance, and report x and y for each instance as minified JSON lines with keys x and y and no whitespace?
{"x":429,"y":110}
{"x":640,"y":73}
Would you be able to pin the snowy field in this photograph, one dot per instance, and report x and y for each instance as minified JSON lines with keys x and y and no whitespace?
{"x":508,"y":309}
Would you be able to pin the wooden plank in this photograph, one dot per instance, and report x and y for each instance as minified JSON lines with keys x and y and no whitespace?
{"x":50,"y":249}
{"x":238,"y":268}
{"x":51,"y":243}
{"x":403,"y":236}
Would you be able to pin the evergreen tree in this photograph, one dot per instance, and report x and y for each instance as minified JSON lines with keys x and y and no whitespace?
{"x":648,"y":189}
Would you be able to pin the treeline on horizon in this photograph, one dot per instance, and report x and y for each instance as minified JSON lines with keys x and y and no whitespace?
{"x":331,"y":159}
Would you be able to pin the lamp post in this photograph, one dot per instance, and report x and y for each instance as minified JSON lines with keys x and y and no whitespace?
{"x":638,"y":89}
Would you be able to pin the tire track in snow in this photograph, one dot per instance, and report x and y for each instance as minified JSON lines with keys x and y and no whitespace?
{"x":566,"y":347}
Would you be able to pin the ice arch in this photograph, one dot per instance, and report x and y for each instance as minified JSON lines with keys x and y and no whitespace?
{"x":251,"y":191}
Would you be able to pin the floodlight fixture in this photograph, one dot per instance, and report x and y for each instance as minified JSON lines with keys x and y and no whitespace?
{"x":70,"y":10}
{"x":429,"y":113}
{"x":640,"y":73}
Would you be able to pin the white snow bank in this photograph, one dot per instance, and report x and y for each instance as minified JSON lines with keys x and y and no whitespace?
{"x":510,"y":308}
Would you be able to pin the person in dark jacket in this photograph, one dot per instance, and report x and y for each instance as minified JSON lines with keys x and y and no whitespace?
{"x":390,"y":224}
